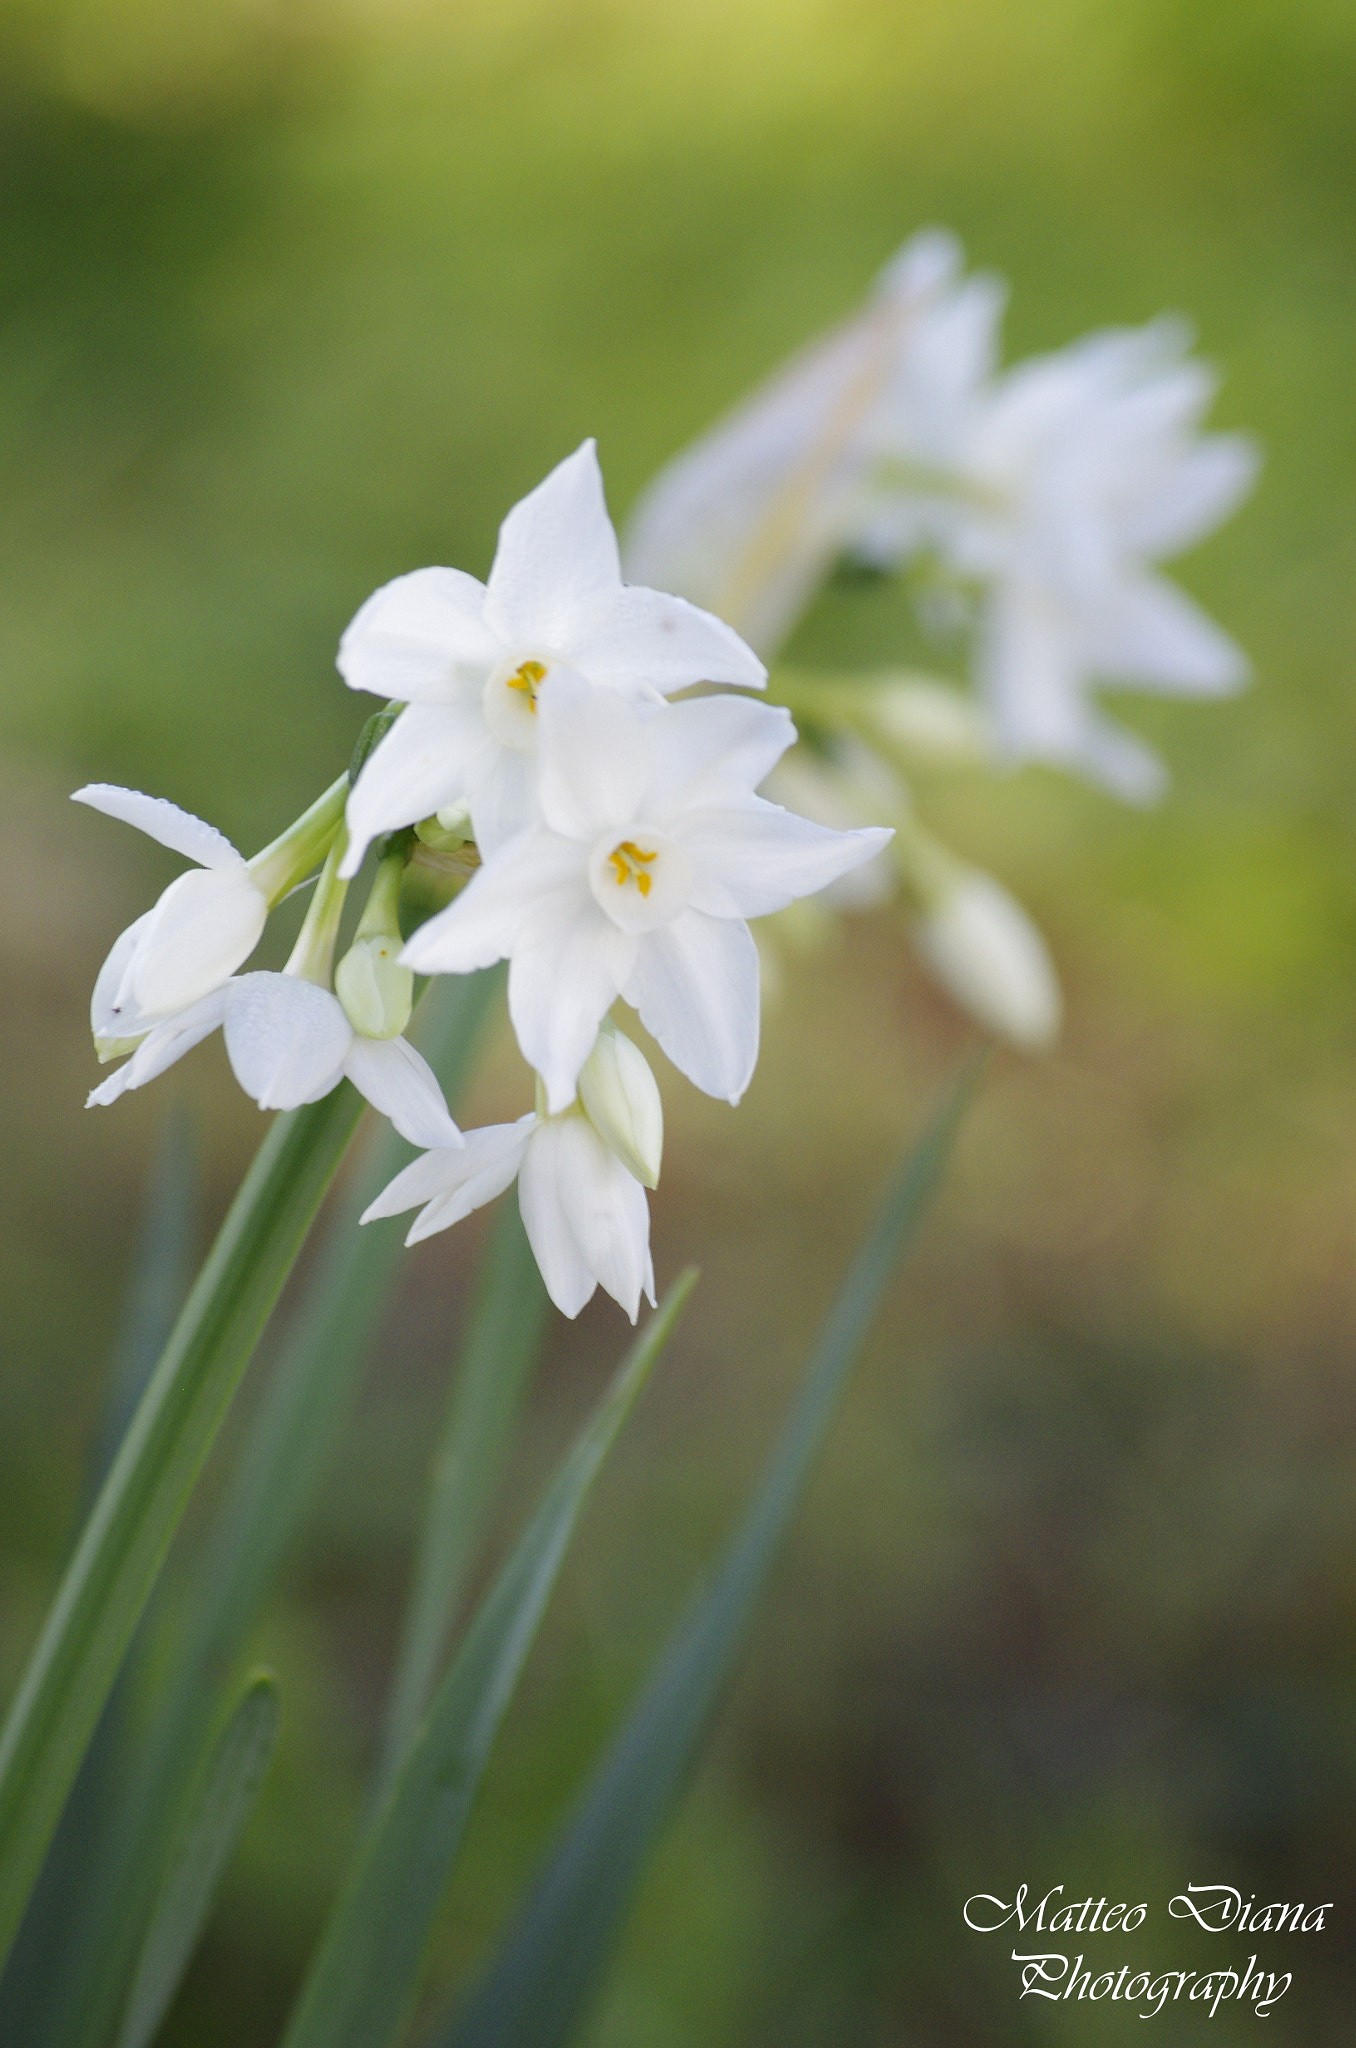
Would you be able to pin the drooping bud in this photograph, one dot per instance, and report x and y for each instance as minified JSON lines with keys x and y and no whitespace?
{"x":620,"y":1097}
{"x":985,"y":950}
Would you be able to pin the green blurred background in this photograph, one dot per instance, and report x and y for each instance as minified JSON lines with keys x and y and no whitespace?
{"x":294,"y":297}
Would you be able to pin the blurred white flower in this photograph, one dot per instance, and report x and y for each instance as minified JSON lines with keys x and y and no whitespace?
{"x":290,"y":1042}
{"x":749,"y":519}
{"x":582,"y":1200}
{"x":206,"y":922}
{"x":651,"y":854}
{"x":469,"y":659}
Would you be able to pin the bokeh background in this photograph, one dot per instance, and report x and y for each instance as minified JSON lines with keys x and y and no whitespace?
{"x":299,"y":294}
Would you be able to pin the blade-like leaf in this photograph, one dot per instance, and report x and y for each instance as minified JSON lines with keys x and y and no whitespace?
{"x":119,"y":1555}
{"x":539,"y":1985}
{"x":37,"y":1989}
{"x":366,"y":1972}
{"x":223,"y":1802}
{"x":501,"y":1348}
{"x":285,"y":1451}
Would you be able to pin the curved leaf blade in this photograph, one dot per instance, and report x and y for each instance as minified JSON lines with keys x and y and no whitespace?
{"x":366,"y":1972}
{"x":539,"y":1986}
{"x":225,"y":1796}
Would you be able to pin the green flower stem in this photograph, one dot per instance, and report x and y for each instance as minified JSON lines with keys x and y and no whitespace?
{"x":123,"y":1545}
{"x":312,"y":957}
{"x":287,"y":860}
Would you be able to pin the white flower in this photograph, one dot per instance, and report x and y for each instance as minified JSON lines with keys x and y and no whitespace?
{"x":290,"y":1042}
{"x":749,"y":519}
{"x":651,"y":854}
{"x":1072,"y":474}
{"x":984,"y":949}
{"x":469,"y":659}
{"x":205,"y":924}
{"x":585,"y":1215}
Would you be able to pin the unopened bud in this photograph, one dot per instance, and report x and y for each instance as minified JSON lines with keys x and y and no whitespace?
{"x":621,"y":1100}
{"x":984,"y":949}
{"x":376,"y":992}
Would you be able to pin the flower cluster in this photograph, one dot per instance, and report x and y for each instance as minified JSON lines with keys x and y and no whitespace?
{"x":606,"y":842}
{"x":1030,"y":507}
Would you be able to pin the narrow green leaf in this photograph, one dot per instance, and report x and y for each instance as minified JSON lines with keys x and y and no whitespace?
{"x":538,"y":1988}
{"x":365,"y":1974}
{"x":43,"y":1971}
{"x":222,"y":1804}
{"x":501,"y":1348}
{"x":286,"y":1449}
{"x":120,"y":1552}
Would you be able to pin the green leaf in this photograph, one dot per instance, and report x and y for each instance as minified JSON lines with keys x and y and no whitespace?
{"x":286,"y":1448}
{"x":501,"y":1348}
{"x":222,"y":1804}
{"x":39,"y":1989}
{"x":538,"y":1988}
{"x":365,"y":1974}
{"x":119,"y":1554}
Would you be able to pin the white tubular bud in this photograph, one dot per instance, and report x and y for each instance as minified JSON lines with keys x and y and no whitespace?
{"x":929,"y":721}
{"x":376,"y":991}
{"x":986,"y":952}
{"x":620,"y":1097}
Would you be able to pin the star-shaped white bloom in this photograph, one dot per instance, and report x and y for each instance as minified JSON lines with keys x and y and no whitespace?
{"x":1072,"y":474}
{"x":290,"y":1042}
{"x":468,"y":659}
{"x":651,"y":854}
{"x":205,"y":924}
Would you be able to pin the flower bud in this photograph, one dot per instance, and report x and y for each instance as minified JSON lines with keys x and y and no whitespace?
{"x":984,"y":949}
{"x":621,"y":1100}
{"x":376,"y":992}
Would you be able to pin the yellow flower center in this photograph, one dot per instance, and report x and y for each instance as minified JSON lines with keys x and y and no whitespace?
{"x":526,"y":678}
{"x":629,"y":863}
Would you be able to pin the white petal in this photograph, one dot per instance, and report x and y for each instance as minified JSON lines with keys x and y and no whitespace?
{"x":174,"y":828}
{"x":1203,"y":488}
{"x":112,"y":1011}
{"x":984,"y":948}
{"x":563,"y":979}
{"x":501,"y":790}
{"x":592,"y":757}
{"x":1147,"y":632}
{"x":667,"y":642}
{"x":758,"y":858}
{"x":695,"y":984}
{"x":418,"y":767}
{"x":205,"y":924}
{"x":483,"y":924}
{"x":415,"y":637}
{"x":586,"y":1219}
{"x":711,"y":750}
{"x":403,"y":1086}
{"x":457,"y":1182}
{"x":166,"y":1044}
{"x":556,"y":572}
{"x":287,"y":1040}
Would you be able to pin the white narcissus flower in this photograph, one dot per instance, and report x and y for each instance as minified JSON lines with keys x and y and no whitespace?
{"x":1072,"y":474}
{"x":290,"y":1042}
{"x":651,"y":854}
{"x":468,"y":659}
{"x":205,"y":924}
{"x":751,"y":517}
{"x":579,"y":1179}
